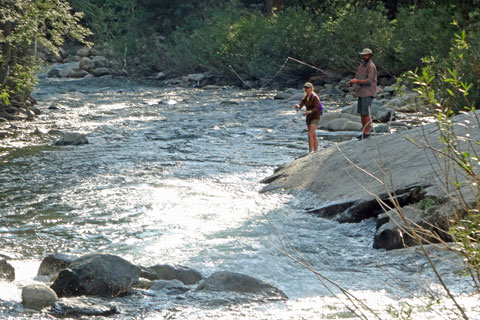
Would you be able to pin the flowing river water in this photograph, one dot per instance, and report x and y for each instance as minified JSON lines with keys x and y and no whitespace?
{"x":171,"y":175}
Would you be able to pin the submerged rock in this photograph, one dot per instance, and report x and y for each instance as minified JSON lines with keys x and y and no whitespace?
{"x":72,"y":138}
{"x":171,"y":286}
{"x":38,"y":296}
{"x":237,"y":282}
{"x":96,"y":275}
{"x":53,"y":263}
{"x":185,"y":274}
{"x":82,"y":306}
{"x":394,"y":232}
{"x":7,"y":271}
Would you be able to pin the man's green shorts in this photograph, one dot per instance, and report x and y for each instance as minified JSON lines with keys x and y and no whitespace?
{"x":364,"y":104}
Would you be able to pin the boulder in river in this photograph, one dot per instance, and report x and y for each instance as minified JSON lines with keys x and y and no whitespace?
{"x":82,"y":306}
{"x":7,"y":271}
{"x":72,"y":138}
{"x":100,"y":61}
{"x":431,"y":223}
{"x":185,"y":274}
{"x":338,"y":121}
{"x":237,"y":282}
{"x":378,"y":112}
{"x":99,"y":72}
{"x":83,"y":52}
{"x":96,"y":274}
{"x":38,"y":296}
{"x":53,"y":263}
{"x":86,"y":64}
{"x":171,"y":286}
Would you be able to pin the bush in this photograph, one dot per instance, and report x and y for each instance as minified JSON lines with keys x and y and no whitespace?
{"x":257,"y":46}
{"x":419,"y":33}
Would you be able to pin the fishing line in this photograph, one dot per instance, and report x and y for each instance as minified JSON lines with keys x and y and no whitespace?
{"x":334,"y":75}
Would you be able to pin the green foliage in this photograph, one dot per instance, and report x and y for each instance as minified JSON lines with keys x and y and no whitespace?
{"x":420,"y":33}
{"x":217,"y":36}
{"x":447,"y":91}
{"x":426,"y":204}
{"x":24,"y":26}
{"x":352,"y":31}
{"x":252,"y":44}
{"x":467,"y":234}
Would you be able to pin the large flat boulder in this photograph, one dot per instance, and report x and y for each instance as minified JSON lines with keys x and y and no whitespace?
{"x":389,"y":163}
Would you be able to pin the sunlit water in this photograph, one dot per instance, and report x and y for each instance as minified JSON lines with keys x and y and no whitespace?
{"x":171,"y":175}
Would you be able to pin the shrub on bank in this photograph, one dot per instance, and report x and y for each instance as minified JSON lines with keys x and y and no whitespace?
{"x":257,"y":45}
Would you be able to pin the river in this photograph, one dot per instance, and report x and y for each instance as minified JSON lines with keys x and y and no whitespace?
{"x":171,"y":175}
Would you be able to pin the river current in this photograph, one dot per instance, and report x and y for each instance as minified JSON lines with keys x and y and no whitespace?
{"x":171,"y":175}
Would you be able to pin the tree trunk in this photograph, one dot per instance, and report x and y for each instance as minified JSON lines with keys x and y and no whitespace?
{"x":269,"y":6}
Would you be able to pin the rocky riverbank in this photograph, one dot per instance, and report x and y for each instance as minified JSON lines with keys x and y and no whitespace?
{"x":352,"y":178}
{"x":89,"y":284}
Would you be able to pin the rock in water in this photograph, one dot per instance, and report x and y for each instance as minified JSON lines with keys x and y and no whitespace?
{"x":54,"y":263}
{"x":237,"y":282}
{"x":38,"y":296}
{"x":171,"y":272}
{"x":72,"y":138}
{"x":7,"y":272}
{"x":82,"y":306}
{"x":96,"y":274}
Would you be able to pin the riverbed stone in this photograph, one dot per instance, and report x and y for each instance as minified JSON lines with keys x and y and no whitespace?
{"x":171,"y":286}
{"x":347,"y":194}
{"x":160,"y":76}
{"x":86,"y":64}
{"x":237,"y":282}
{"x":282,"y":95}
{"x":99,"y":72}
{"x":54,"y":73}
{"x":35,"y":110}
{"x":184,"y":274}
{"x":430,"y":224}
{"x":378,"y":112}
{"x":38,"y":296}
{"x":7,"y":271}
{"x":72,"y":138}
{"x":82,"y":306}
{"x":53,"y":263}
{"x":99,"y":61}
{"x":337,"y":121}
{"x":65,"y":72}
{"x":97,"y":274}
{"x":78,"y":74}
{"x":83,"y":52}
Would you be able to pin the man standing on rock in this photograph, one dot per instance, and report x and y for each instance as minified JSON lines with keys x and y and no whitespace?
{"x":365,"y":86}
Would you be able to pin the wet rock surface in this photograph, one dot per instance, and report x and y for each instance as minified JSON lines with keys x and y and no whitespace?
{"x":184,"y":274}
{"x":344,"y":176}
{"x":237,"y":282}
{"x":97,"y":274}
{"x":82,"y":306}
{"x":72,"y":138}
{"x":53,"y":263}
{"x":38,"y":296}
{"x":7,"y":271}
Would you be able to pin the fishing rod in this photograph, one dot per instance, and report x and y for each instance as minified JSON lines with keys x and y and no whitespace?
{"x":317,"y":68}
{"x":334,"y":75}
